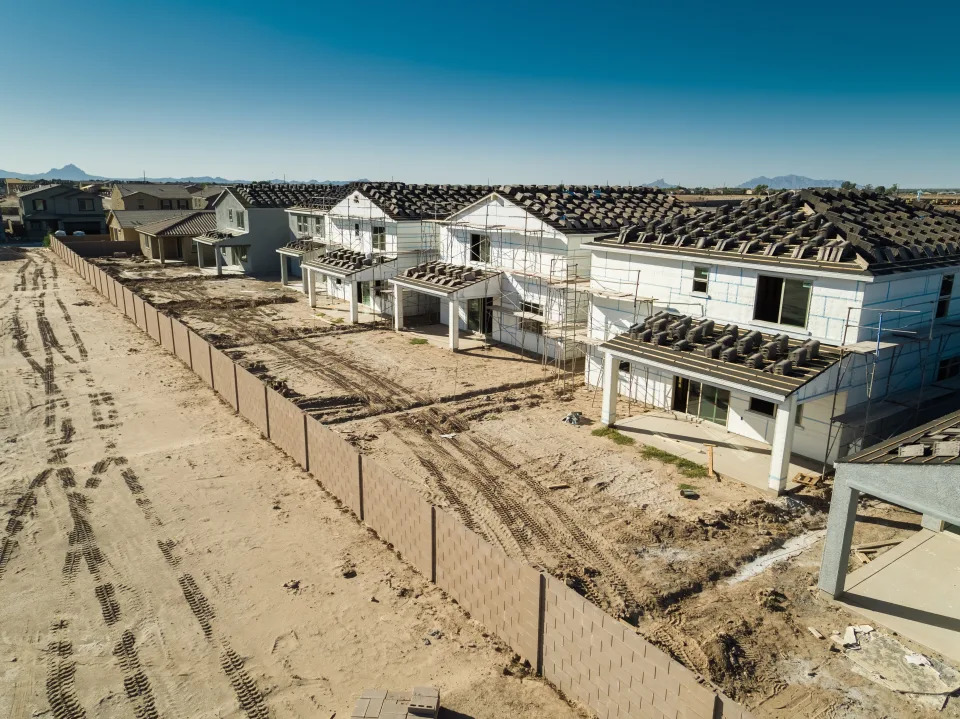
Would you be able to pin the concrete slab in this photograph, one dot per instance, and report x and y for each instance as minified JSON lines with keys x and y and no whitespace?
{"x":734,"y":456}
{"x":914,"y":590}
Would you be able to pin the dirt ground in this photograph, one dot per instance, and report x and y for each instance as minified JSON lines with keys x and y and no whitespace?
{"x":159,"y":559}
{"x":480,"y":433}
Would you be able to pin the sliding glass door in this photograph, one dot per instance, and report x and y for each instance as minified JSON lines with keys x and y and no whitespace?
{"x":701,"y":400}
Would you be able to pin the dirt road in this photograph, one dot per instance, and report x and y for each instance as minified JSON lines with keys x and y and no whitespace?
{"x":159,"y":559}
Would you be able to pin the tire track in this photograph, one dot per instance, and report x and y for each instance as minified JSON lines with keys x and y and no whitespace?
{"x":136,"y":684}
{"x":60,"y":682}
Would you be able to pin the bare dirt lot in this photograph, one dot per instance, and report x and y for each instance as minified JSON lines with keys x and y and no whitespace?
{"x":159,"y":559}
{"x":479,"y":432}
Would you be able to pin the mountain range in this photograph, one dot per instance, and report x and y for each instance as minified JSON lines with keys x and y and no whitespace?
{"x":788,"y":182}
{"x":75,"y":174}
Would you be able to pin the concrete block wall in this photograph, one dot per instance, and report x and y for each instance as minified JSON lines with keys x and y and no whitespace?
{"x":153,"y":321}
{"x":399,"y":514}
{"x":128,"y":304}
{"x":287,"y":426}
{"x":499,"y":592}
{"x":589,"y":655}
{"x":166,"y":333}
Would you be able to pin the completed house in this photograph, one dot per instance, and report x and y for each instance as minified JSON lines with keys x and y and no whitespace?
{"x":813,"y":322}
{"x":61,"y":208}
{"x":375,"y":232}
{"x":172,"y":238}
{"x":156,"y":196}
{"x":123,"y":224}
{"x":532,"y":239}
{"x":252,"y":224}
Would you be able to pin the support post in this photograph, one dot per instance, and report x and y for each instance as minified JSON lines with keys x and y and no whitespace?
{"x":219,"y":259}
{"x":611,"y":378}
{"x":453,"y":318}
{"x":836,"y":547}
{"x":162,"y":249}
{"x":303,"y":277}
{"x":283,"y":270}
{"x":782,"y":444}
{"x":311,"y":286}
{"x":397,"y":308}
{"x":352,"y":298}
{"x":200,"y":247}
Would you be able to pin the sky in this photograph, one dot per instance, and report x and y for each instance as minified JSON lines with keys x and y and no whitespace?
{"x":698,"y":93}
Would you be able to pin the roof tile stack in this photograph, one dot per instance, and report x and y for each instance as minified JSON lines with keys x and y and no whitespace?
{"x":273,"y":195}
{"x":402,"y":201}
{"x":443,"y":274}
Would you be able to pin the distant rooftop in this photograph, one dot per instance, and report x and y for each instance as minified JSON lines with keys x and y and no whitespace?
{"x":937,"y":442}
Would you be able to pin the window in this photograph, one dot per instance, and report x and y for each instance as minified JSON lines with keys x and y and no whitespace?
{"x":140,"y":205}
{"x":85,"y":205}
{"x":948,"y":368}
{"x":182,"y":205}
{"x":241,"y":219}
{"x":379,"y":238}
{"x":701,"y":400}
{"x":624,"y":366}
{"x":303,"y":224}
{"x":39,"y":205}
{"x":781,"y":300}
{"x":241,"y":252}
{"x":230,"y":215}
{"x":479,"y":248}
{"x":319,"y":227}
{"x":356,"y":230}
{"x":166,"y":204}
{"x":701,"y":276}
{"x":798,"y":417}
{"x":946,"y":289}
{"x":761,"y":406}
{"x":531,"y":307}
{"x":534,"y":326}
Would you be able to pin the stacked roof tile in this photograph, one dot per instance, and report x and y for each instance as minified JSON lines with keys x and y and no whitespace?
{"x":348,"y":261}
{"x":417,"y":202}
{"x":447,"y":276}
{"x":832,"y":229}
{"x":273,"y":195}
{"x":589,"y":209}
{"x":751,"y":358}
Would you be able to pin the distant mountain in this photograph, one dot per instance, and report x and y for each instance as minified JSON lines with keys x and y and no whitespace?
{"x":75,"y":174}
{"x":788,"y":182}
{"x":661,"y":183}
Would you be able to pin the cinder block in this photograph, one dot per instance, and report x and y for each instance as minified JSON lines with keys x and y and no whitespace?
{"x":335,"y":463}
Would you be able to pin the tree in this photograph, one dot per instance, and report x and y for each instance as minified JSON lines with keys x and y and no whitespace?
{"x":760,"y":189}
{"x":881,"y":190}
{"x":847,"y":185}
{"x":893,"y":189}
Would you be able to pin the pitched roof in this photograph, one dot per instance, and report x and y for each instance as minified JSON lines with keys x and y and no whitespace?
{"x":588,"y":209}
{"x":155,"y":190}
{"x":937,"y":442}
{"x":822,"y":228}
{"x":190,"y":225}
{"x":698,"y":347}
{"x":44,"y":188}
{"x":401,"y":201}
{"x":128,"y":219}
{"x":275,"y":195}
{"x":443,"y":276}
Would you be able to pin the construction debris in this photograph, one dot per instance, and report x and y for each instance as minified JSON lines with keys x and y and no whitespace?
{"x":815,"y":632}
{"x":573,"y":418}
{"x":381,"y":704}
{"x":851,"y":637}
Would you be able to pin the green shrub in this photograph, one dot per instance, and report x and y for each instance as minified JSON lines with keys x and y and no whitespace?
{"x":685,"y":466}
{"x":611,"y":433}
{"x":418,"y":341}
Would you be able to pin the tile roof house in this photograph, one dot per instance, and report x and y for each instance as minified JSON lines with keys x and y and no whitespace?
{"x":868,"y":277}
{"x":123,"y":224}
{"x":171,"y":238}
{"x":376,"y":230}
{"x":252,"y":224}
{"x":159,"y":196}
{"x":53,"y":208}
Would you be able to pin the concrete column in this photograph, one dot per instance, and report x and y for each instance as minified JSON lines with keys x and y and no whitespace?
{"x":311,"y":286}
{"x":397,"y":308}
{"x":453,"y":317}
{"x":200,"y":248}
{"x":352,"y":298}
{"x":836,"y":547}
{"x":219,"y":259}
{"x":283,"y":270}
{"x":162,"y":249}
{"x":611,"y":378}
{"x":782,"y":444}
{"x":303,"y":277}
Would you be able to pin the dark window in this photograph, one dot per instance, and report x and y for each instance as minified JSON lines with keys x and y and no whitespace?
{"x":534,"y":326}
{"x":781,"y":300}
{"x":761,"y":406}
{"x":948,"y":368}
{"x":241,"y":218}
{"x":182,"y":204}
{"x":531,"y":307}
{"x":85,"y":205}
{"x":946,"y":289}
{"x":798,"y":417}
{"x":701,"y":276}
{"x":356,"y":229}
{"x":479,"y":248}
{"x":379,"y":238}
{"x":166,"y":204}
{"x":39,"y":205}
{"x":624,"y":366}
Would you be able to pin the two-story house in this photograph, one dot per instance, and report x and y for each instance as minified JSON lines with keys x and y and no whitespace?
{"x":62,"y":208}
{"x":251,"y":224}
{"x":815,"y":321}
{"x":378,"y":230}
{"x":308,"y":228}
{"x":158,"y":196}
{"x":531,"y":238}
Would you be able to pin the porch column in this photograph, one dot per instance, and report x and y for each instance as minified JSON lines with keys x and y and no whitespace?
{"x":453,"y":317}
{"x":311,"y":285}
{"x":200,"y":247}
{"x":283,"y":270}
{"x":611,"y":377}
{"x":219,"y":259}
{"x":836,"y":547}
{"x":352,"y":298}
{"x":782,"y":444}
{"x":397,"y":308}
{"x":163,"y":254}
{"x":303,"y":277}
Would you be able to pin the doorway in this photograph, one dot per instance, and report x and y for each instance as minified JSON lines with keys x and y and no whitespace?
{"x":480,"y":315}
{"x":701,"y":400}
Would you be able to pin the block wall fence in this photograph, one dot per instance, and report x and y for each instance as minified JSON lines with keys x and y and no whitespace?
{"x":587,"y":654}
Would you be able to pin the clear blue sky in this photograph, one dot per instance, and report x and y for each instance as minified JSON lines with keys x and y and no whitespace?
{"x":696,"y":92}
